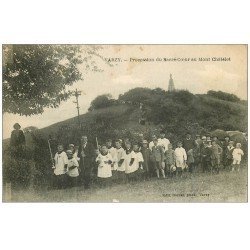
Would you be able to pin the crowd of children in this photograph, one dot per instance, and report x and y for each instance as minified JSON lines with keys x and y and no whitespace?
{"x":123,"y":160}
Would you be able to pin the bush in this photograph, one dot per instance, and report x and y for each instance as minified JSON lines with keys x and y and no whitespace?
{"x":223,"y":96}
{"x":101,"y":101}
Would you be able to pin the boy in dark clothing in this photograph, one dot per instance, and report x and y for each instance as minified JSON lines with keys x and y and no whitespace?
{"x":170,"y":161}
{"x":188,"y":142}
{"x":146,"y":157}
{"x":86,"y":153}
{"x":216,"y":156}
{"x":206,"y":157}
{"x":229,"y":155}
{"x":158,"y":159}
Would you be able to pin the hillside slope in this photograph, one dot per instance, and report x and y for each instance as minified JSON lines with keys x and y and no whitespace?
{"x":175,"y":113}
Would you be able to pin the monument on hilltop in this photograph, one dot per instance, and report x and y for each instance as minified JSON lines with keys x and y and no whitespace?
{"x":171,"y":87}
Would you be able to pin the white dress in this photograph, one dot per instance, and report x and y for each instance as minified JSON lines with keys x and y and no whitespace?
{"x":237,"y":153}
{"x":180,"y":157}
{"x":137,"y":158}
{"x":60,"y":161}
{"x":121,"y":155}
{"x":73,"y":172}
{"x":104,"y":167}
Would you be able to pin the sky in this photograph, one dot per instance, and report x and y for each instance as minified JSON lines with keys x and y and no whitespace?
{"x":130,"y":72}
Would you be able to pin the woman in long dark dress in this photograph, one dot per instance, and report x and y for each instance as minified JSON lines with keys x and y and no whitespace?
{"x":17,"y":141}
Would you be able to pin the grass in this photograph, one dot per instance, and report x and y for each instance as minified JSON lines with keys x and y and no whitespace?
{"x":224,"y":187}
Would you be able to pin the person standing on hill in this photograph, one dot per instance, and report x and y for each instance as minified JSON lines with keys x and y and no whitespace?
{"x":120,"y":163}
{"x":237,"y":155}
{"x":17,"y":141}
{"x":180,"y":159}
{"x":225,"y":144}
{"x":216,"y":156}
{"x":113,"y":153}
{"x":73,"y":171}
{"x":216,"y":140}
{"x":229,"y":155}
{"x":151,"y":144}
{"x":61,"y":167}
{"x":189,"y":144}
{"x":163,"y":141}
{"x":198,"y":140}
{"x":130,"y":164}
{"x":170,"y":161}
{"x":206,"y":156}
{"x":104,"y":161}
{"x":146,"y":157}
{"x":158,"y":158}
{"x":86,"y":153}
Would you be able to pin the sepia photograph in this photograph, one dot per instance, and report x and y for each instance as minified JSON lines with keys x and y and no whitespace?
{"x":123,"y":123}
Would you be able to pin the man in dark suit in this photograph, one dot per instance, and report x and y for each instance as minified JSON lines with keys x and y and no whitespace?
{"x":86,"y":153}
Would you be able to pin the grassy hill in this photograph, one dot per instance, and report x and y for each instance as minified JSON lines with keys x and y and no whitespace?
{"x":175,"y":113}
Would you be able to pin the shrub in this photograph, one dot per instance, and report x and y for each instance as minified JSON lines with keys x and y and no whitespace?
{"x":223,"y":96}
{"x":101,"y":101}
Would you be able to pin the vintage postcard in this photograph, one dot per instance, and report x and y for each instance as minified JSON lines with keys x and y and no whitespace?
{"x":124,"y":123}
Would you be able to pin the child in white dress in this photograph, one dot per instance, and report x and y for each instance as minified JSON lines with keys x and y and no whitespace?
{"x":61,"y":167}
{"x":104,"y":161}
{"x":237,"y":154}
{"x":180,"y":158}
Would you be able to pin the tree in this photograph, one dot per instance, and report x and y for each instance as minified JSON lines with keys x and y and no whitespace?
{"x":38,"y":76}
{"x":101,"y":101}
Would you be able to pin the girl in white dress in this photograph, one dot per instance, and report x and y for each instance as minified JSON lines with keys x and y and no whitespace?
{"x":104,"y":161}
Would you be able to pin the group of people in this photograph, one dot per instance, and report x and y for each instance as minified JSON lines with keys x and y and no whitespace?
{"x":124,"y":160}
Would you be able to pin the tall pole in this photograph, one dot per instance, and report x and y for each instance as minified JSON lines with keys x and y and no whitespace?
{"x":76,"y":94}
